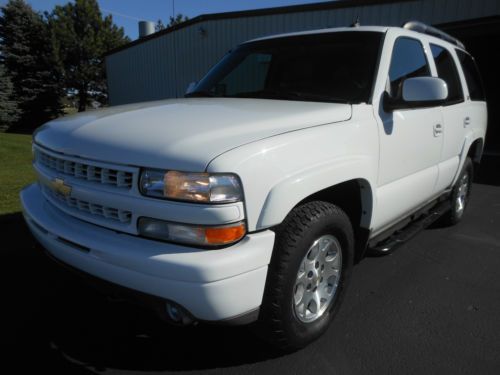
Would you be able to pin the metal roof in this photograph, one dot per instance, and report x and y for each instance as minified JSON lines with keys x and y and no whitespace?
{"x":338,"y":4}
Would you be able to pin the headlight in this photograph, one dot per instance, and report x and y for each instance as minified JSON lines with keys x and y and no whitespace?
{"x":193,"y":187}
{"x":191,"y":234}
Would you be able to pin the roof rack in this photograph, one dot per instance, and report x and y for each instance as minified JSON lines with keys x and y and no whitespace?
{"x":421,"y":27}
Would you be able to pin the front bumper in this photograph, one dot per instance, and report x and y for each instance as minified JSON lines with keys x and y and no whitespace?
{"x":212,"y":285}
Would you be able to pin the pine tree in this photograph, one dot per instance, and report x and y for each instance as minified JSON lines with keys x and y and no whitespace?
{"x":8,"y":108}
{"x":81,"y":36}
{"x":159,"y":25}
{"x":179,"y":18}
{"x":28,"y":57}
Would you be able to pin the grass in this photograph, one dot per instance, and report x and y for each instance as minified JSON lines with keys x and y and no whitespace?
{"x":15,"y":170}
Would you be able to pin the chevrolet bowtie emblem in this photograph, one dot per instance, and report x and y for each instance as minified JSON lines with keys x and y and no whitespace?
{"x":60,"y":187}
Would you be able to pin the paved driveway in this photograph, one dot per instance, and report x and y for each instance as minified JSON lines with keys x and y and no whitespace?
{"x":433,"y":307}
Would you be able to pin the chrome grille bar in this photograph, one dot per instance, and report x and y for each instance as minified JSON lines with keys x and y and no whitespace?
{"x":90,"y":208}
{"x":85,"y":170}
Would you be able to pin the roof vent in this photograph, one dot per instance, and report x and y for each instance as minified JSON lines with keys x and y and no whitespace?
{"x":146,"y":28}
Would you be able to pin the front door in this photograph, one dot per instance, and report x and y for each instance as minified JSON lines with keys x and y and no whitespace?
{"x":410,"y":139}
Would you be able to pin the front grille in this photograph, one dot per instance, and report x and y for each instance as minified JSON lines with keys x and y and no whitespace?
{"x":85,"y":170}
{"x":89,"y":207}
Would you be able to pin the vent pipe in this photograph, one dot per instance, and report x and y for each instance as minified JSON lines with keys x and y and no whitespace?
{"x":146,"y":28}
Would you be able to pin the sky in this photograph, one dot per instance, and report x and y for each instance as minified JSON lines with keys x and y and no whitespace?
{"x":127,"y":13}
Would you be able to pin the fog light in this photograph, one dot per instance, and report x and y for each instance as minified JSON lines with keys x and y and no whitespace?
{"x":173,"y":313}
{"x":177,"y":314}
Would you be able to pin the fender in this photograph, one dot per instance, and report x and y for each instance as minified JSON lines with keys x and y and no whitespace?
{"x":470,"y":138}
{"x":285,"y":195}
{"x":279,"y":172}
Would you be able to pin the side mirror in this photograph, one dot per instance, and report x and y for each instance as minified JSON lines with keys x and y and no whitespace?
{"x":191,"y":87}
{"x":417,"y":92}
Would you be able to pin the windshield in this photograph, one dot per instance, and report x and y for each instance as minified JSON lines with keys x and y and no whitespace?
{"x":329,"y":67}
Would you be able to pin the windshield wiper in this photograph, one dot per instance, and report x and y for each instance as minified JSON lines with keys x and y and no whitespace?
{"x":200,"y":94}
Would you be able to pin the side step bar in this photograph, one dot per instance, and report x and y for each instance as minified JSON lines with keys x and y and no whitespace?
{"x":399,"y":237}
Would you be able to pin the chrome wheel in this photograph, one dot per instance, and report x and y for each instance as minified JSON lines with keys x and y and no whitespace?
{"x":317,"y":279}
{"x":462,"y":195}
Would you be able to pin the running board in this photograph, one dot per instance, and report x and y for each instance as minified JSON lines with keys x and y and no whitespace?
{"x":404,"y":234}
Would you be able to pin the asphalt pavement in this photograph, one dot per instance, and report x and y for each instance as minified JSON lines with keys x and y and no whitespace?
{"x":432,"y":307}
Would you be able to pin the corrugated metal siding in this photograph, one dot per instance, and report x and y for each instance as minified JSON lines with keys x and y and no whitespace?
{"x":152,"y":70}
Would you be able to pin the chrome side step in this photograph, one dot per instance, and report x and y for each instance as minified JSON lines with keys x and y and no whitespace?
{"x":383,"y":246}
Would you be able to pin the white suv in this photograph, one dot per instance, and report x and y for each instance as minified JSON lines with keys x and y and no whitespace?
{"x":251,"y":199}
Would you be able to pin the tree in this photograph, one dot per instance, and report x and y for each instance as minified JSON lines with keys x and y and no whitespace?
{"x":159,"y":25}
{"x":29,"y":61}
{"x":179,"y":18}
{"x":81,"y":36}
{"x":172,"y":22}
{"x":8,"y":108}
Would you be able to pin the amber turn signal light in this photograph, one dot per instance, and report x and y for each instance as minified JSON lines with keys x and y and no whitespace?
{"x":224,"y":235}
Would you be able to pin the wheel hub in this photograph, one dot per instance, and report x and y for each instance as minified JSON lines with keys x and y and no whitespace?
{"x":463,"y":191}
{"x":317,"y":279}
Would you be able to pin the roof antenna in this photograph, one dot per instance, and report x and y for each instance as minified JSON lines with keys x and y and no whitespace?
{"x":356,"y":23}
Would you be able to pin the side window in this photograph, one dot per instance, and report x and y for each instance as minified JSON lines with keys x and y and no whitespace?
{"x":408,"y":60}
{"x":472,"y":77}
{"x":448,"y":72}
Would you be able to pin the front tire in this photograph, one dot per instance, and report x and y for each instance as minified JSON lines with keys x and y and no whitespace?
{"x":308,"y":275}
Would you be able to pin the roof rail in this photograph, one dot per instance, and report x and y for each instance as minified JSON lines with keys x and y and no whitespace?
{"x":421,"y":27}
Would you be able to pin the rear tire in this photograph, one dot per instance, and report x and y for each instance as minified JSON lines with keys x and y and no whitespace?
{"x":308,"y":275}
{"x":460,"y":195}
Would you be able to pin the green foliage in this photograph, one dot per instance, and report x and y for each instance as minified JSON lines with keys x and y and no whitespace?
{"x":29,"y":60}
{"x":159,"y":25}
{"x":16,"y":171}
{"x":81,"y":36}
{"x":8,"y":107}
{"x":179,"y":18}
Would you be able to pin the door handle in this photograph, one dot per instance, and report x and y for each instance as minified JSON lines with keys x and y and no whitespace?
{"x":466,"y":121}
{"x":438,"y":130}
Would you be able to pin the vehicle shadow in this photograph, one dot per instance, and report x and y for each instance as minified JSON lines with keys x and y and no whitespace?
{"x":54,"y":321}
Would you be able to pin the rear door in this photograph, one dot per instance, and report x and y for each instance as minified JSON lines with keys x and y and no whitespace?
{"x":410,"y":139}
{"x":475,"y":120}
{"x":455,"y":117}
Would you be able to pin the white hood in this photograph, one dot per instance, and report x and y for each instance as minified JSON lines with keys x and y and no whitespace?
{"x":182,"y":134}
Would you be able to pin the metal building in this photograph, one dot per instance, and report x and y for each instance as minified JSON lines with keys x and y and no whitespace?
{"x":161,"y":65}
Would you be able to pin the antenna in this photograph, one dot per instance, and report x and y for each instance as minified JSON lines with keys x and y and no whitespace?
{"x":356,"y":23}
{"x":174,"y":41}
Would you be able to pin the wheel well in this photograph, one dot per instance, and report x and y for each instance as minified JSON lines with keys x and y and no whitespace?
{"x":355,"y":198}
{"x":476,"y":150}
